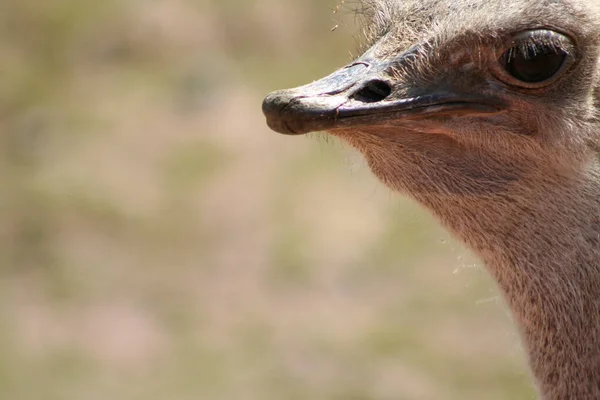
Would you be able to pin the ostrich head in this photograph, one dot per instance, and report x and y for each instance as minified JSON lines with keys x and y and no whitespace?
{"x":461,"y":98}
{"x":487,"y":113}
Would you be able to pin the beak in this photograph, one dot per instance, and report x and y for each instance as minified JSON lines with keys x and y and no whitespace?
{"x":363,"y":94}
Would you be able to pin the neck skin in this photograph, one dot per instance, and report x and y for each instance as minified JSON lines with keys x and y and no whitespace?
{"x":537,"y":227}
{"x":543,"y":249}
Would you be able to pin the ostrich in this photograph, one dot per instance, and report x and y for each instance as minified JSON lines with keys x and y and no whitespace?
{"x":487,"y":112}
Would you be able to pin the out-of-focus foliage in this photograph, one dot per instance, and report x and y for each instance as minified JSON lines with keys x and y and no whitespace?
{"x":159,"y":242}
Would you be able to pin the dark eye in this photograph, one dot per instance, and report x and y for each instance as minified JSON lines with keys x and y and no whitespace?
{"x":536,"y":58}
{"x":535,"y":63}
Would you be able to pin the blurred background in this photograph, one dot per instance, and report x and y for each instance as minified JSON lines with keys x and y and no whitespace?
{"x":157,"y":241}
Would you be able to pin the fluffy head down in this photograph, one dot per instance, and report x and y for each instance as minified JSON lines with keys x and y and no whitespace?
{"x":413,"y":21}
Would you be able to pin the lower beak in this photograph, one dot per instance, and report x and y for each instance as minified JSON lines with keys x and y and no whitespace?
{"x":361,"y":94}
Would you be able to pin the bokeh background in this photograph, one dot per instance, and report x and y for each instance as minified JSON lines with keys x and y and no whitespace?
{"x":157,"y":241}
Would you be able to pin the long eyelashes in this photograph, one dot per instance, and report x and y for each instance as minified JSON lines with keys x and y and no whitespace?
{"x":536,"y":58}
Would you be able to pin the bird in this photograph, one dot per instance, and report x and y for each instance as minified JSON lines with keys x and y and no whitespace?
{"x":487,"y":113}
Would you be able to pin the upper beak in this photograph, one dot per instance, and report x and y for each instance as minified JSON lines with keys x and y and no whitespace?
{"x":363,"y":94}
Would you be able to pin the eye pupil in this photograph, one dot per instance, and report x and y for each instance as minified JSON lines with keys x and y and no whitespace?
{"x":534,"y":64}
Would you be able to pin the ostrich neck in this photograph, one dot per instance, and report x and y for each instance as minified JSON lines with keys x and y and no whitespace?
{"x":542,"y":245}
{"x":535,"y":222}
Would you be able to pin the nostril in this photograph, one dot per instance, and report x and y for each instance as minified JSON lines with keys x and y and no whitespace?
{"x":373,"y":92}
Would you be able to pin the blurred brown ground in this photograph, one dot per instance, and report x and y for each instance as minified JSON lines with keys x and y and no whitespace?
{"x":159,"y":242}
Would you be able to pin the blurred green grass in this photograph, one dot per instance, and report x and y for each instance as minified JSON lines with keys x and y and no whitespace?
{"x":158,"y":241}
